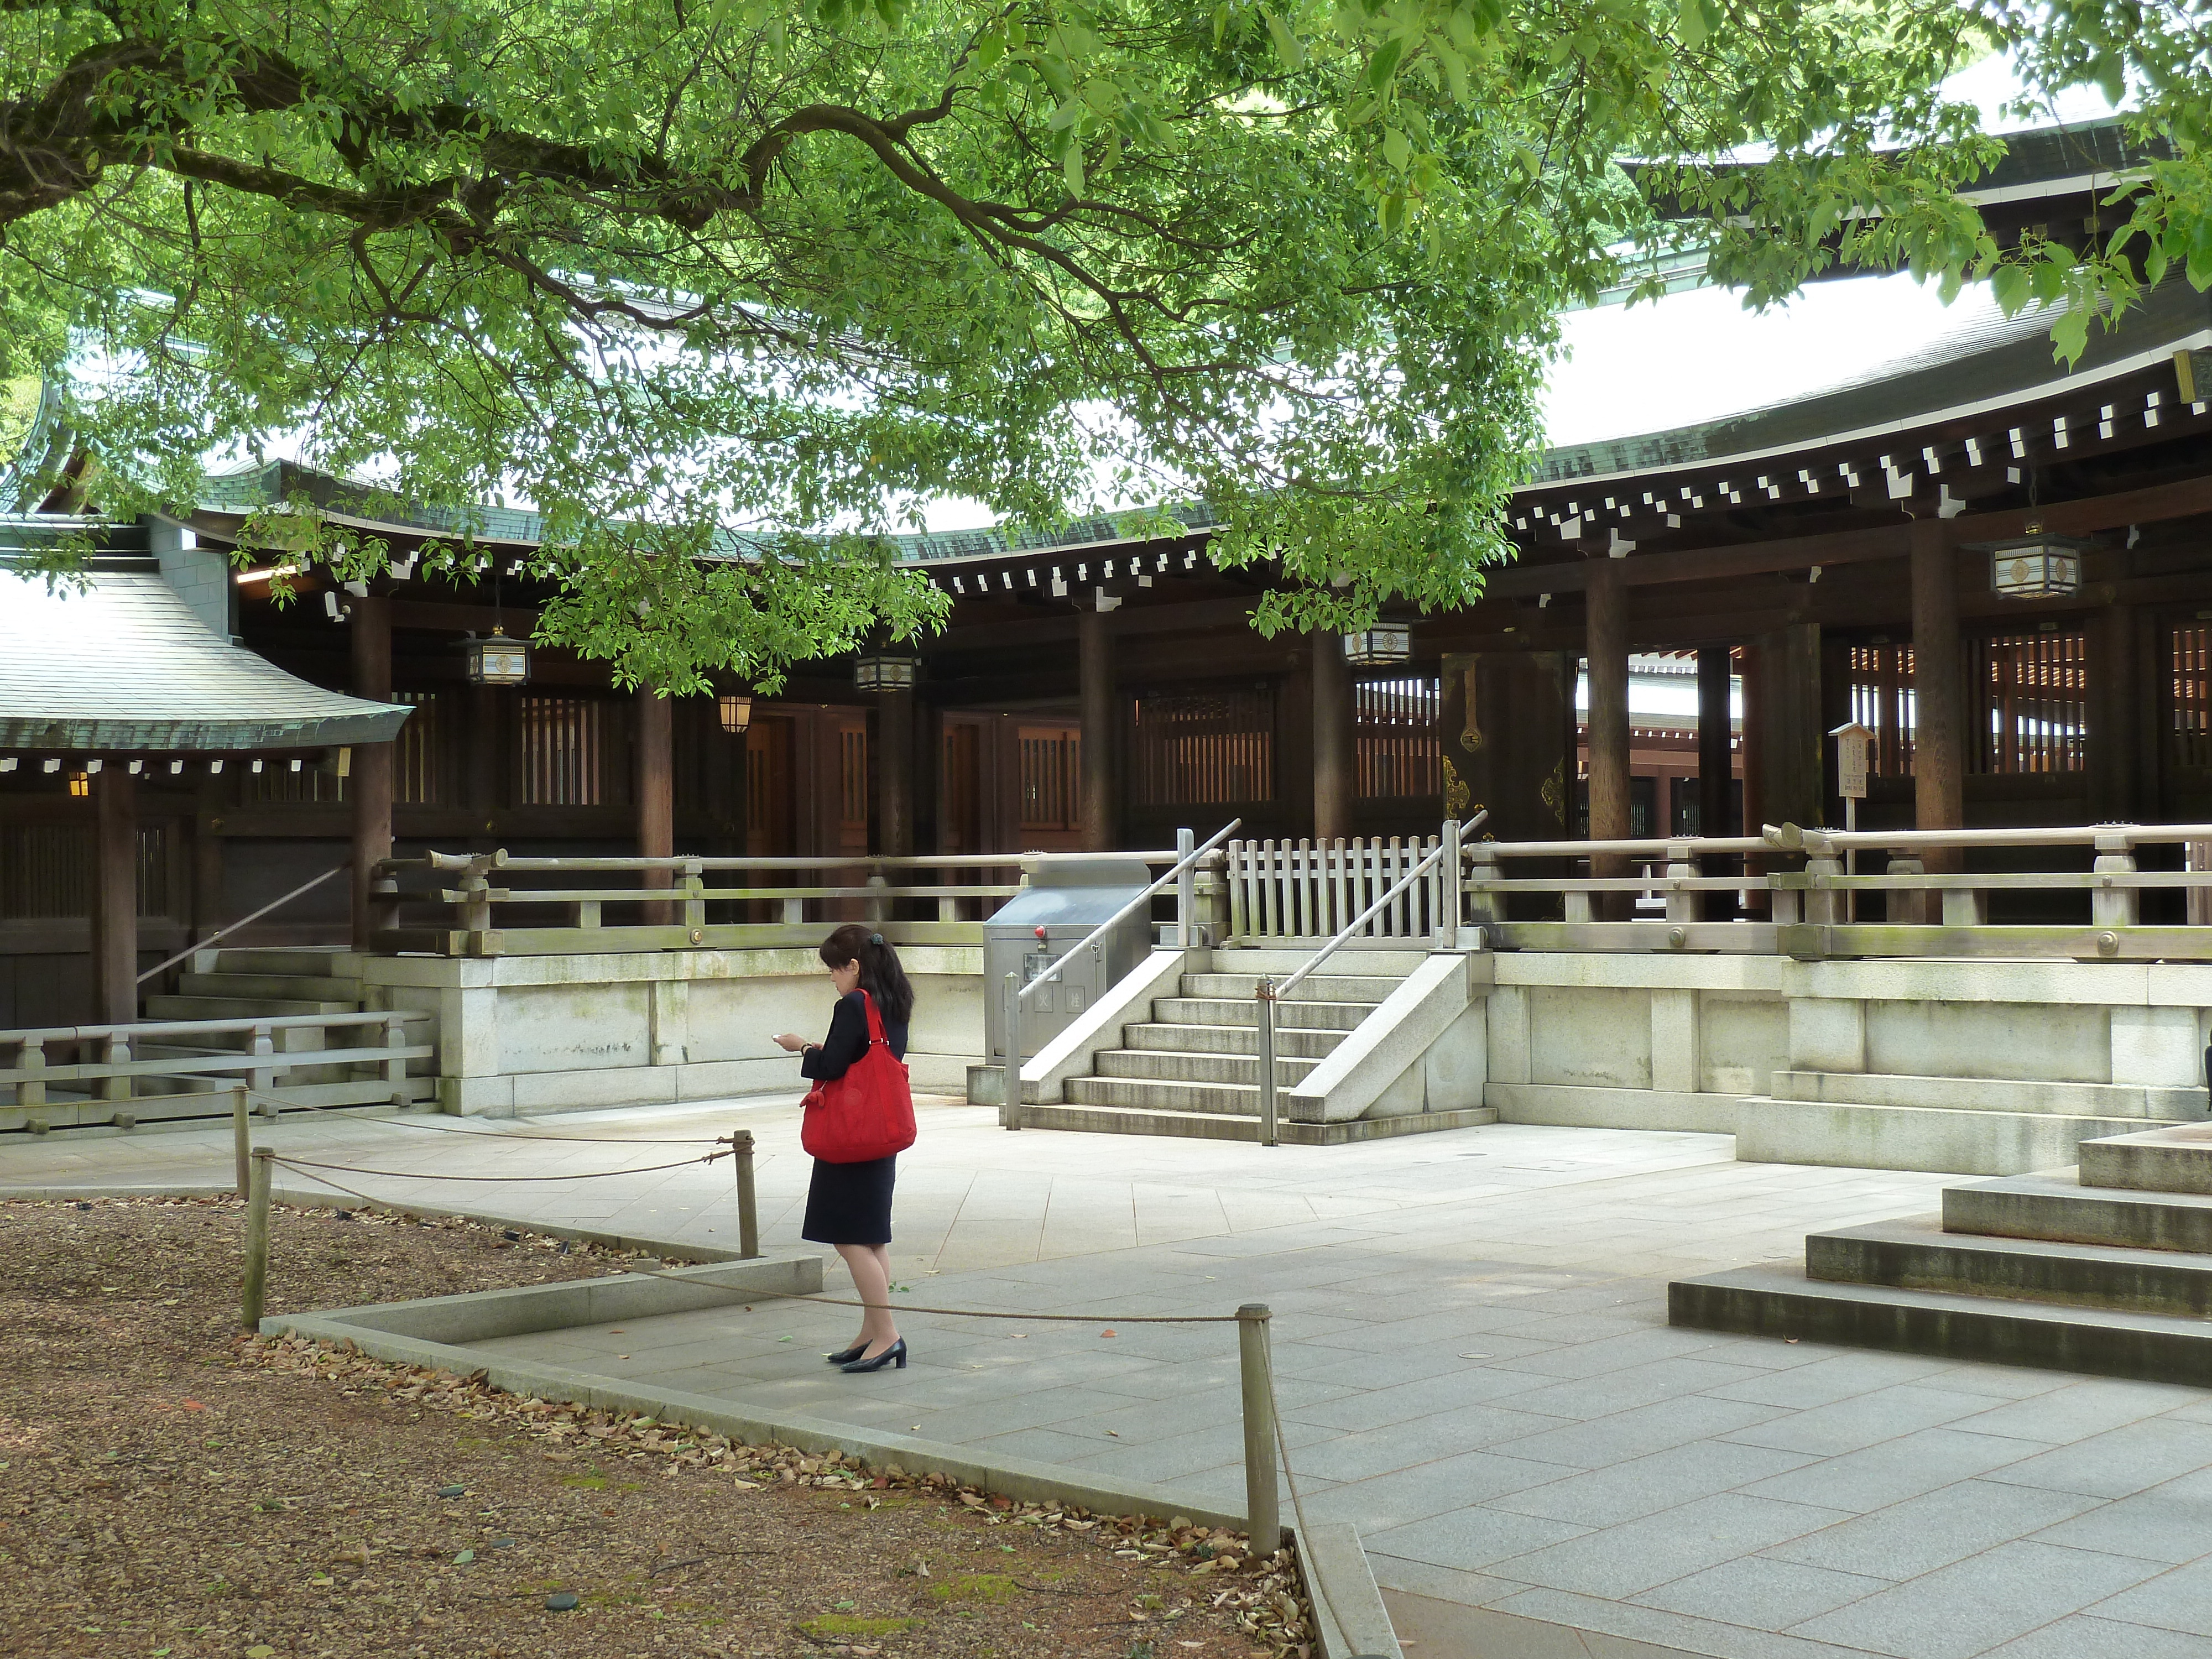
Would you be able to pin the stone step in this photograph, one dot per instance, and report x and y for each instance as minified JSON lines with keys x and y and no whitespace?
{"x":1918,"y":1254}
{"x":1969,"y":1094}
{"x":1209,"y":1126}
{"x":1231,"y":1099}
{"x":311,"y":988}
{"x":1165,"y":1065}
{"x":283,"y":959}
{"x":1290,"y":1042}
{"x":1322,"y":987}
{"x":2174,"y":1158}
{"x":1967,"y":1142}
{"x":1354,"y":958}
{"x":166,"y":1007}
{"x":1304,"y":1016}
{"x":2106,"y":1342}
{"x":2053,"y":1206}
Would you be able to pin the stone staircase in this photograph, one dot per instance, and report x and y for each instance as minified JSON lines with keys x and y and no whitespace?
{"x":2105,"y":1268}
{"x":1193,"y":1068}
{"x":257,"y":983}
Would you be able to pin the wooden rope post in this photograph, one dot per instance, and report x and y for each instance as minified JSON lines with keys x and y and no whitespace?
{"x":241,"y":1136}
{"x":741,"y":1146}
{"x":1263,"y":1008}
{"x":255,"y":1283}
{"x":1262,"y":1504}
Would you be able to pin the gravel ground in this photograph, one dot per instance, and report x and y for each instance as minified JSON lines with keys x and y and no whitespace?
{"x":172,"y":1490}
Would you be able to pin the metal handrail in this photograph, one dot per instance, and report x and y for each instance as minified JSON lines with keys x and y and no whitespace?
{"x":1015,"y":990}
{"x":225,"y":932}
{"x":1269,"y":993}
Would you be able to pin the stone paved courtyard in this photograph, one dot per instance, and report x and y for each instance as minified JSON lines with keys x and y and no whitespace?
{"x":1475,"y":1367}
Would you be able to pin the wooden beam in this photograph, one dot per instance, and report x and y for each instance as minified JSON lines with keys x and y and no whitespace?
{"x":1939,"y":743}
{"x":369,"y":778}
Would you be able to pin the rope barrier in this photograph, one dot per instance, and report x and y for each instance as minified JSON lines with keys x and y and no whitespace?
{"x":426,"y":1175}
{"x":493,"y":1135}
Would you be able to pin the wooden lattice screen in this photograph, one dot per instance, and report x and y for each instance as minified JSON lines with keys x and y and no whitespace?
{"x":1395,"y":721}
{"x":1051,"y":771}
{"x":564,"y":751}
{"x":2028,"y":702}
{"x":1203,"y":748}
{"x":2189,"y":648}
{"x":1882,"y":702}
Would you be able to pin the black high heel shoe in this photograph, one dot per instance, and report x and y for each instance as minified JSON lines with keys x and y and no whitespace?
{"x":894,"y":1355}
{"x":847,"y":1356}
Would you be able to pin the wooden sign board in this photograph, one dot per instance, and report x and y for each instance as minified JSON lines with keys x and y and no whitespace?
{"x":1852,"y":742}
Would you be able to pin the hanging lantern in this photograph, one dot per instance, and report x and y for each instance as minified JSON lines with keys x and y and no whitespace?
{"x":737,"y":712}
{"x":2035,"y":565}
{"x":884,"y":672}
{"x":1379,"y":646}
{"x":495,"y":659}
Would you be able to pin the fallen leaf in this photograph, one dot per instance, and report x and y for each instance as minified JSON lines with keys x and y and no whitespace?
{"x":194,"y":1406}
{"x":1105,"y":1332}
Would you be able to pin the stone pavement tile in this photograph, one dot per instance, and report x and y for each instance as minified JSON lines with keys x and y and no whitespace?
{"x":1173,"y":1379}
{"x":1635,"y":1348}
{"x":1974,"y":1604}
{"x":2002,"y":1382}
{"x":1038,"y":1445}
{"x":1018,"y":1410}
{"x":1653,"y":1549}
{"x":1757,"y":1591}
{"x":1407,"y":1576}
{"x":1371,"y":1452}
{"x":1587,"y":1327}
{"x":1639,"y":1385}
{"x":2085,"y":1636}
{"x":1167,"y":1461}
{"x":1640,"y":1431}
{"x":1429,"y":1489}
{"x":1136,"y":1422}
{"x":1644,"y":1485}
{"x":2171,"y":1523}
{"x":1890,"y":1471}
{"x":1862,"y":1420}
{"x":1471,"y":1384}
{"x":2119,"y":1461}
{"x":1364,"y":1371}
{"x":2088,"y":1406}
{"x":1670,"y":1635}
{"x":1499,"y":1327}
{"x":1834,"y":1376}
{"x":1923,"y":1533}
{"x":1465,"y":1539}
{"x":2180,"y":1600}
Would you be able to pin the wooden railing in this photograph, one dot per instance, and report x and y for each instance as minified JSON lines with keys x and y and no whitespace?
{"x":492,"y":904}
{"x":1816,"y":906}
{"x":129,"y":1074}
{"x":1308,"y":889}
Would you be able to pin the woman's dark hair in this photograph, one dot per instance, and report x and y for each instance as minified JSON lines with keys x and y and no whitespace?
{"x":881,"y":976}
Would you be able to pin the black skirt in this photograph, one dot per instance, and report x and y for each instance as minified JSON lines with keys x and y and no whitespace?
{"x":850,"y":1203}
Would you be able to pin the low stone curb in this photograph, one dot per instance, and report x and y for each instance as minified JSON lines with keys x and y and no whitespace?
{"x":1350,"y":1621}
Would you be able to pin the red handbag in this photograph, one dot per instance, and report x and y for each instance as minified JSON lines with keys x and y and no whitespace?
{"x":867,"y":1114}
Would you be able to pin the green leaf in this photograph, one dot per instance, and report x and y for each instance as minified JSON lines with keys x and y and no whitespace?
{"x":1288,"y":47}
{"x":1395,"y":148}
{"x":2070,"y":336}
{"x":1689,"y":23}
{"x":1072,"y":165}
{"x":2009,"y":284}
{"x":1382,"y":67}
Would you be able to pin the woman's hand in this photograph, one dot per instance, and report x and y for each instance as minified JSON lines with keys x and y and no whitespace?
{"x":791,"y":1042}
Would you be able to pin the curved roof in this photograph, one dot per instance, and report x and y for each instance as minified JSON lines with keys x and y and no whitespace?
{"x":122,"y":664}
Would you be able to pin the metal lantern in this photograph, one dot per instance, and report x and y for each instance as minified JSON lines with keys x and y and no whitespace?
{"x":1379,"y":646}
{"x":885,"y":673}
{"x":737,"y":712}
{"x":495,"y":659}
{"x":2036,"y":566}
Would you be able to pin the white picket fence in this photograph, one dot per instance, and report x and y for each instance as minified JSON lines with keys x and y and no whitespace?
{"x":1308,"y":890}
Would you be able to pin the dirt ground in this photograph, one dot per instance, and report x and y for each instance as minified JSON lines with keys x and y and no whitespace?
{"x":169,"y":1490}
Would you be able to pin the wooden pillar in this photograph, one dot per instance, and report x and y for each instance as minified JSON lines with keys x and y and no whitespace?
{"x":1715,"y":746}
{"x":1939,"y":692}
{"x":1606,"y":652}
{"x":1794,"y":740}
{"x":1095,"y":675}
{"x":1751,"y":670}
{"x":1335,"y":760}
{"x":115,"y":895}
{"x":368,"y":783}
{"x":894,"y":761}
{"x":656,"y":792}
{"x":1716,"y":769}
{"x":2115,"y":739}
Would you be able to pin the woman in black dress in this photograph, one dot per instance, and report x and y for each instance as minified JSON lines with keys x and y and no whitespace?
{"x":850,"y":1205}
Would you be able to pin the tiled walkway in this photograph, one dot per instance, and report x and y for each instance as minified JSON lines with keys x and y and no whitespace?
{"x":1475,"y":1366}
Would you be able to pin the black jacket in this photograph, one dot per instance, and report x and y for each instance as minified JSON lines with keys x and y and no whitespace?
{"x":848,"y":1040}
